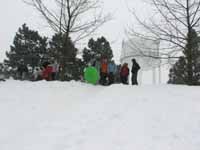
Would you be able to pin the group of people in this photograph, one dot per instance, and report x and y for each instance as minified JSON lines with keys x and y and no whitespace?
{"x":109,"y":71}
{"x":124,"y":72}
{"x":48,"y":71}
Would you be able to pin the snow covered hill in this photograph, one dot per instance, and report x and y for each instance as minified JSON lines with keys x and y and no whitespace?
{"x":77,"y":116}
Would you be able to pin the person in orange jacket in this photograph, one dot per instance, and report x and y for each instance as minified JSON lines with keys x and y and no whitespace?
{"x":104,"y":71}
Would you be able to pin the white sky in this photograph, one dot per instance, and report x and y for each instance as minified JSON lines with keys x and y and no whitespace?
{"x":14,"y":13}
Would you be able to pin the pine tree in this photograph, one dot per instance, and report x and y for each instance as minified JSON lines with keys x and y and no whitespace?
{"x":65,"y":52}
{"x":28,"y":47}
{"x":62,"y":49}
{"x":97,"y":49}
{"x":192,"y":54}
{"x":178,"y":72}
{"x":187,"y":69}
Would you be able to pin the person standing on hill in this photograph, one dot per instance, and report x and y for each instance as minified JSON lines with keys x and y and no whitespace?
{"x":134,"y":71}
{"x":55,"y":70}
{"x":124,"y":73}
{"x":112,"y":69}
{"x":22,"y":71}
{"x":104,"y":71}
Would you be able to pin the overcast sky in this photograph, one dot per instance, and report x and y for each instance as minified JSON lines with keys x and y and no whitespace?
{"x":14,"y":13}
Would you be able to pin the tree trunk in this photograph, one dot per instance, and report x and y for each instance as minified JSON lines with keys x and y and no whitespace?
{"x":190,"y":57}
{"x":64,"y":57}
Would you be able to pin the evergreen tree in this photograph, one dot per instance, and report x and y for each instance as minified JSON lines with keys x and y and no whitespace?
{"x":62,"y":49}
{"x":192,"y":54}
{"x":97,"y":49}
{"x":178,"y":72}
{"x":65,"y":52}
{"x":28,"y":47}
{"x":187,"y":69}
{"x":74,"y":71}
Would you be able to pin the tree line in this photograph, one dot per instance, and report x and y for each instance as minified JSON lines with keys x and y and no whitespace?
{"x":34,"y":50}
{"x":175,"y":24}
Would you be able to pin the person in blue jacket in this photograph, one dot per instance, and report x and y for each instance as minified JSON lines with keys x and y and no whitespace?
{"x":112,"y":68}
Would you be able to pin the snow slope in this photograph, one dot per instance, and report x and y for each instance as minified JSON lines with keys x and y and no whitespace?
{"x":77,"y":116}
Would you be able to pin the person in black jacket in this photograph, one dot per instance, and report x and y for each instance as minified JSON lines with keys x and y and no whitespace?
{"x":22,"y":71}
{"x":134,"y":70}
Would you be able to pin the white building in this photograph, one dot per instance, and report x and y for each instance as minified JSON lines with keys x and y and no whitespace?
{"x":146,"y":53}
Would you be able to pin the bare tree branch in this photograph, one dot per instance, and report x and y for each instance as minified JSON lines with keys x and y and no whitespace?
{"x":172,"y":22}
{"x":77,"y":18}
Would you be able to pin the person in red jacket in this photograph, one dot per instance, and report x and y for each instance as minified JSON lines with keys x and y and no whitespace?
{"x":47,"y":72}
{"x":124,"y":73}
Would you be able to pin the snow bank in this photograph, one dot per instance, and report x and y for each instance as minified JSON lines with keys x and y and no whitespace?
{"x":77,"y":116}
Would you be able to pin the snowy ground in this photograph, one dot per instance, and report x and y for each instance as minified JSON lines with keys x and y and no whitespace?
{"x":77,"y":116}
